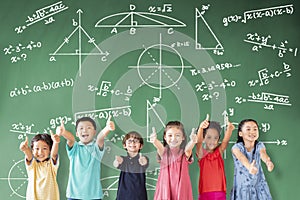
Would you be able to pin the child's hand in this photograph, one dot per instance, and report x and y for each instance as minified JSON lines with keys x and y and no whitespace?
{"x":24,"y":145}
{"x":193,"y":136}
{"x":230,"y":126}
{"x":110,"y":125}
{"x":153,"y":135}
{"x":142,"y":160}
{"x":253,"y":169}
{"x":60,"y":129}
{"x":118,"y":161}
{"x":55,"y":137}
{"x":270,"y":165}
{"x":205,"y":123}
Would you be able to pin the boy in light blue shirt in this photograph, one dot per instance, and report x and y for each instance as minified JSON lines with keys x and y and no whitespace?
{"x":85,"y":158}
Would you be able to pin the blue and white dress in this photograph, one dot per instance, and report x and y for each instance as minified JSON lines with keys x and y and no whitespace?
{"x":245,"y":185}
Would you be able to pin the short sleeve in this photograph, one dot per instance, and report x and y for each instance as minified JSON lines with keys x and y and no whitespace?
{"x":71,"y":150}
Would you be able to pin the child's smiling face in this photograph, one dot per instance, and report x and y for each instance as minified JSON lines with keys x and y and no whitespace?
{"x":174,"y":137}
{"x":85,"y":132}
{"x":40,"y":150}
{"x":132,"y":145}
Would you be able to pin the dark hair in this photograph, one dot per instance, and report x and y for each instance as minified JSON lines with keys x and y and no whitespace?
{"x":43,"y":137}
{"x":84,"y":119}
{"x":213,"y":125}
{"x":240,"y":126}
{"x":179,"y":125}
{"x":135,"y":135}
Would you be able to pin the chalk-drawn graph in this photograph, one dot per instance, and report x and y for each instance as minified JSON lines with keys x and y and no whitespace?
{"x":160,"y":66}
{"x":17,"y":179}
{"x":79,"y":50}
{"x":202,"y":29}
{"x":134,"y":19}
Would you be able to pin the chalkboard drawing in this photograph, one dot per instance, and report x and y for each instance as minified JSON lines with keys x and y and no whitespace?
{"x":160,"y":67}
{"x":203,"y":32}
{"x":17,"y":179}
{"x":135,"y":19}
{"x":110,"y":183}
{"x":79,"y":49}
{"x":43,"y":14}
{"x":150,"y":112}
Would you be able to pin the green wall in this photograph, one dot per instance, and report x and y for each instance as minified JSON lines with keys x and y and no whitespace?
{"x":146,"y":62}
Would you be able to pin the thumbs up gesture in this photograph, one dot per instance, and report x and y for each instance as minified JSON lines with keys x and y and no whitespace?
{"x":153,"y":135}
{"x":193,"y":136}
{"x":253,"y":169}
{"x":110,"y":125}
{"x":60,"y":129}
{"x":24,"y":145}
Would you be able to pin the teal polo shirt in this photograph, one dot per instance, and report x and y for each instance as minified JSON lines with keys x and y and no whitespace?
{"x":84,"y":175}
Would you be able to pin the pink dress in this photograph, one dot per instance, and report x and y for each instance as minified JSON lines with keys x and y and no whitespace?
{"x":174,"y":180}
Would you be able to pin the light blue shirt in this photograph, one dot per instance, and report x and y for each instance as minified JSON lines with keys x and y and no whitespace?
{"x":84,"y":176}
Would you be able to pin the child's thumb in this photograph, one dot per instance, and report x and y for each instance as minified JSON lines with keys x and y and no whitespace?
{"x":253,"y":163}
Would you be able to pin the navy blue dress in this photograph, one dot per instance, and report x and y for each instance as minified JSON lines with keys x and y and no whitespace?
{"x":132,"y":180}
{"x":245,"y":185}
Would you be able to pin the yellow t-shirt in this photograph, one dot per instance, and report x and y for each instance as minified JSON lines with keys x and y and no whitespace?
{"x":42,"y":184}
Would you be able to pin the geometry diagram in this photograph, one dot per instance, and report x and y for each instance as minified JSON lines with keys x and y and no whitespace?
{"x":76,"y":43}
{"x":152,"y":112}
{"x":17,"y":179}
{"x":134,"y":19}
{"x":203,"y":32}
{"x":160,"y":66}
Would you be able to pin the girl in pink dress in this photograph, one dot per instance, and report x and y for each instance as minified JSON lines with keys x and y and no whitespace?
{"x":175,"y":155}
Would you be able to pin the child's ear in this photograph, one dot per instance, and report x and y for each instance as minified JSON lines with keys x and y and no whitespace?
{"x":141,"y":146}
{"x":240,"y":134}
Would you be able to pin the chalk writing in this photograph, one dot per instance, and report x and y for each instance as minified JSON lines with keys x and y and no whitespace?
{"x":164,"y":8}
{"x":260,"y":13}
{"x":104,"y":90}
{"x":268,"y":99}
{"x":19,"y":51}
{"x":116,"y":138}
{"x":54,"y":122}
{"x":207,"y":97}
{"x":105,"y":113}
{"x":217,"y":67}
{"x":262,"y":41}
{"x":44,"y":86}
{"x":265,"y":76}
{"x":212,"y":85}
{"x":43,"y":13}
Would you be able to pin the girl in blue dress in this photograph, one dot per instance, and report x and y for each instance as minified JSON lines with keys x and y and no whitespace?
{"x":249,"y":181}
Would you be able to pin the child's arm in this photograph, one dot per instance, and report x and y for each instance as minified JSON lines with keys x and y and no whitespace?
{"x":110,"y":126}
{"x":202,"y":126}
{"x":61,"y":131}
{"x":266,"y":159}
{"x":225,"y":141}
{"x":54,"y":151}
{"x":158,"y":145}
{"x":26,"y":150}
{"x":243,"y":159}
{"x":190,"y":145}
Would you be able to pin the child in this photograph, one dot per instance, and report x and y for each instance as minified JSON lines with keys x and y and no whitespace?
{"x":175,"y":156}
{"x":132,"y":180}
{"x":212,"y":180}
{"x":249,"y":180}
{"x":85,"y":158}
{"x":42,"y":164}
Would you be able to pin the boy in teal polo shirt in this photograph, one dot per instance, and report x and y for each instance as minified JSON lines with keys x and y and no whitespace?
{"x":85,"y":158}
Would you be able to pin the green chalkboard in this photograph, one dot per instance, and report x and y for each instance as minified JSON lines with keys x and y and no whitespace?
{"x":146,"y":62}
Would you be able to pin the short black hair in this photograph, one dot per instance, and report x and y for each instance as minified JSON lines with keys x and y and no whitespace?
{"x":43,"y":137}
{"x":84,"y":119}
